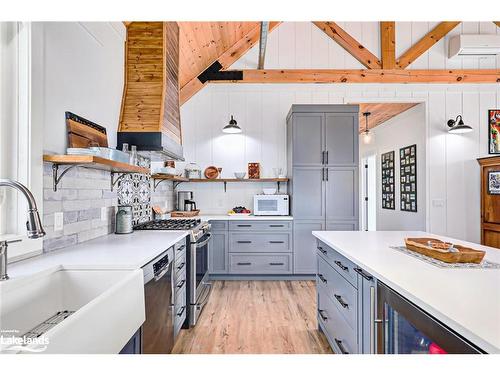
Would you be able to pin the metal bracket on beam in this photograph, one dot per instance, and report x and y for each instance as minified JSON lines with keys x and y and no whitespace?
{"x":215,"y":73}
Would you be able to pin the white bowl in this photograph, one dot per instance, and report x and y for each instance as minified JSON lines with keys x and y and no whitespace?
{"x":269,"y":191}
{"x":240,"y":175}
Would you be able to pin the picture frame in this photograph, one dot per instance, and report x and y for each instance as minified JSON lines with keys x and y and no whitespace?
{"x":494,"y":182}
{"x":408,"y":178}
{"x":387,"y":169}
{"x":494,"y":131}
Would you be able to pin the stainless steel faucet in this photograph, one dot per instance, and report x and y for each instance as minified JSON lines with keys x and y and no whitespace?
{"x":33,"y":224}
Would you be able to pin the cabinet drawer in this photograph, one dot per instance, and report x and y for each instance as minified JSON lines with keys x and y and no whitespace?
{"x":218,"y":225}
{"x":244,"y":225}
{"x":180,"y":287}
{"x":179,"y":267}
{"x":179,"y":318}
{"x":341,"y":292}
{"x":260,"y":263}
{"x":259,"y":242}
{"x":339,"y":332}
{"x":339,"y":262}
{"x":180,"y":251}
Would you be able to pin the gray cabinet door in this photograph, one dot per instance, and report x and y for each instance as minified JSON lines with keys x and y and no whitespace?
{"x":307,"y":141}
{"x":304,"y":246}
{"x":308,"y":193}
{"x":219,"y":258}
{"x":341,"y":139}
{"x":341,"y":194}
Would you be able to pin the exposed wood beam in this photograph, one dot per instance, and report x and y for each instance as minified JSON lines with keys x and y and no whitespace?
{"x":368,"y":76}
{"x":431,"y":38}
{"x":264,"y":30}
{"x":388,"y":44}
{"x":497,"y":23}
{"x":232,"y":54}
{"x":350,"y":44}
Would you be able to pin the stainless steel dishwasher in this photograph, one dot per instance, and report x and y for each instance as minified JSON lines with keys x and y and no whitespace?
{"x":158,"y":329}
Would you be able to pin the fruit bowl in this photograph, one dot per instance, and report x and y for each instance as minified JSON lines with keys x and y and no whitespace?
{"x":239,"y":211}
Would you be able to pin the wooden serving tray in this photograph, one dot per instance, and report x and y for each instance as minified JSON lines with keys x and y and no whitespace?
{"x":184,"y":213}
{"x":464,"y":254}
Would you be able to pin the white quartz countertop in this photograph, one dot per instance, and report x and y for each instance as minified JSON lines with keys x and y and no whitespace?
{"x":122,"y":251}
{"x":208,"y":217}
{"x":466,"y":300}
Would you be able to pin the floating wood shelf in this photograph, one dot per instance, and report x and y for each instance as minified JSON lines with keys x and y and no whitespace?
{"x":91,"y":162}
{"x":226,"y":180}
{"x":158,"y":178}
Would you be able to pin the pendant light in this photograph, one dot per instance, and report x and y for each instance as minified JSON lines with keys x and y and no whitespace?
{"x":458,"y":127}
{"x":232,"y":127}
{"x":367,"y":135}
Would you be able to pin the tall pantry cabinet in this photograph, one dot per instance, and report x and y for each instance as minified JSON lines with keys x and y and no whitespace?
{"x":323,"y":157}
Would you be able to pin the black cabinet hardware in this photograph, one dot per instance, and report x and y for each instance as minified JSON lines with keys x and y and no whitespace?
{"x":244,"y":264}
{"x":341,"y":346}
{"x":181,"y":248}
{"x":276,"y":241}
{"x":322,"y":278}
{"x":341,"y":301}
{"x":322,"y":250}
{"x":320,"y":312}
{"x":244,"y":225}
{"x":276,"y":225}
{"x":181,"y":284}
{"x":276,"y":264}
{"x":244,"y":241}
{"x":341,"y":266}
{"x":363,"y":273}
{"x":326,"y":162}
{"x":181,"y":266}
{"x":181,"y":311}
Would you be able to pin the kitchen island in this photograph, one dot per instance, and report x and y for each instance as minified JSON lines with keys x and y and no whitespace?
{"x":465,"y":300}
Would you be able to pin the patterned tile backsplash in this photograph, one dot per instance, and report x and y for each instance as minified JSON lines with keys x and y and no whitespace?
{"x":81,"y":196}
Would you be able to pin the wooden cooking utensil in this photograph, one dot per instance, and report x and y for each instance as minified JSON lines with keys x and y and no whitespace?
{"x":211,"y":172}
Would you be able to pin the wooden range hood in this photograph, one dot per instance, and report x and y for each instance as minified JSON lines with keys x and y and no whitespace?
{"x":150,"y":114}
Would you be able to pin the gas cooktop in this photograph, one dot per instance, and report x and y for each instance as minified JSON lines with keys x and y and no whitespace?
{"x":170,"y":224}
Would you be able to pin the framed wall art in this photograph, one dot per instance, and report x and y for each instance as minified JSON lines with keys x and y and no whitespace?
{"x":388,"y":177}
{"x":494,"y":131}
{"x":408,"y":178}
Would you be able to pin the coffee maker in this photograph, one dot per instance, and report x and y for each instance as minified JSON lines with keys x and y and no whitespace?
{"x":185,"y":201}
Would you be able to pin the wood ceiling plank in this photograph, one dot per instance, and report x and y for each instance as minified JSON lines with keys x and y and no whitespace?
{"x":497,"y":23}
{"x":350,"y":44}
{"x":368,"y":76}
{"x":380,"y":113}
{"x":431,"y":38}
{"x":388,"y":44}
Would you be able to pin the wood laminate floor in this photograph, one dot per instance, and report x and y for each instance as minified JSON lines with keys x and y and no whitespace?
{"x":257,"y":317}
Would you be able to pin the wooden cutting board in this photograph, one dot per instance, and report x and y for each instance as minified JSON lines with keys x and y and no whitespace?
{"x":184,"y":213}
{"x":83,"y":133}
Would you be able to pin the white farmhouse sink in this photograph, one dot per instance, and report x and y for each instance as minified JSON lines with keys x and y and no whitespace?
{"x":107,"y":306}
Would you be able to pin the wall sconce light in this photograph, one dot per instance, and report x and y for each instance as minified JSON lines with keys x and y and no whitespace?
{"x":457,"y":126}
{"x":232,"y":127}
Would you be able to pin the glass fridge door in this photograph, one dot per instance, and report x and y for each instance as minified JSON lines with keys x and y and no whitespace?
{"x":407,"y":329}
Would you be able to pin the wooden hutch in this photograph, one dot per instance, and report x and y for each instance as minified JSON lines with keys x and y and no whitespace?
{"x":490,"y":204}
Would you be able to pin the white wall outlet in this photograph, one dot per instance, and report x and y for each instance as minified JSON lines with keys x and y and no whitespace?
{"x":58,"y":221}
{"x":438,"y":203}
{"x":104,"y":213}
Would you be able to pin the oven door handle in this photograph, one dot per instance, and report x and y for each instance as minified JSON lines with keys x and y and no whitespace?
{"x":201,"y":244}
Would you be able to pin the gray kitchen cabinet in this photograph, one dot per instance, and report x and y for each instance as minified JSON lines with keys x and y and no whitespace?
{"x":219,"y":256}
{"x":341,"y":139}
{"x":308,"y":140}
{"x":308,"y":193}
{"x":323,"y":188}
{"x":304,"y":246}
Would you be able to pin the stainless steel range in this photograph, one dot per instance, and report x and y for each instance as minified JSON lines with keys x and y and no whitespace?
{"x":198,"y":288}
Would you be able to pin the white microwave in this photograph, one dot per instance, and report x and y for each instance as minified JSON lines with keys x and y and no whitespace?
{"x":268,"y":205}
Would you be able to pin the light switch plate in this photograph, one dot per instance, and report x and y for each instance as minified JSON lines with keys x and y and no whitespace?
{"x":438,"y":203}
{"x":58,"y":221}
{"x":104,"y":213}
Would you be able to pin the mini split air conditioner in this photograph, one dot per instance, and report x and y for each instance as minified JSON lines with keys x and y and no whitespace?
{"x":474,"y":45}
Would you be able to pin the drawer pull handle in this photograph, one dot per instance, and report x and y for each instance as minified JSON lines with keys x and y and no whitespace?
{"x":244,"y":225}
{"x":181,"y":248}
{"x":244,"y":241}
{"x":341,"y":301}
{"x":341,"y":346}
{"x":181,"y":266}
{"x":276,"y":226}
{"x":181,"y":284}
{"x":341,"y":266}
{"x":322,"y":278}
{"x":320,"y":312}
{"x":276,"y":264}
{"x":276,"y":241}
{"x":322,"y":250}
{"x":181,"y":311}
{"x":363,"y":273}
{"x":244,"y":263}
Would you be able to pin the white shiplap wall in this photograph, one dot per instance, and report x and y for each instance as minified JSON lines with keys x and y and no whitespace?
{"x":453,"y":175}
